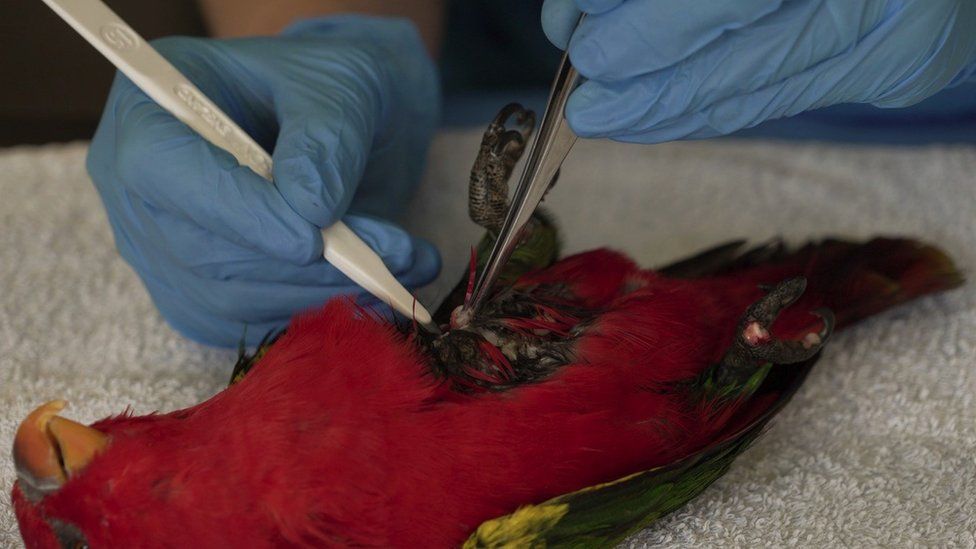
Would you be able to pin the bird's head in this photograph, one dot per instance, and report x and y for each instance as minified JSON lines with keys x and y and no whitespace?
{"x":49,"y":450}
{"x":119,"y":482}
{"x":294,"y":451}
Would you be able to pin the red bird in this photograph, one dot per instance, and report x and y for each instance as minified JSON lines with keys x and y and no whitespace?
{"x":350,"y":430}
{"x":347,"y":433}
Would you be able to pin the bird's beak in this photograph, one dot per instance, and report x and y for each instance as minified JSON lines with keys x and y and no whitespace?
{"x":49,"y":449}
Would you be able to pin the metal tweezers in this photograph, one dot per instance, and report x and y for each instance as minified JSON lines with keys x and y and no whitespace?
{"x":551,"y":145}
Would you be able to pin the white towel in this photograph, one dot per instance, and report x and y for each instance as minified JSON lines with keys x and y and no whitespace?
{"x":876,"y":449}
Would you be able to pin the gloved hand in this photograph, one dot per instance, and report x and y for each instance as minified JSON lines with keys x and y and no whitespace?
{"x":661,"y":70}
{"x":348,"y":105}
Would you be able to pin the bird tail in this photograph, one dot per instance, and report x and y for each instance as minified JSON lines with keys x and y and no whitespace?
{"x":840,"y":281}
{"x":853,"y":279}
{"x":858,"y":280}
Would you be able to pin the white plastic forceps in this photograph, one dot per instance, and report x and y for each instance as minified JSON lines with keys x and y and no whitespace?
{"x":161,"y":81}
{"x":551,"y":145}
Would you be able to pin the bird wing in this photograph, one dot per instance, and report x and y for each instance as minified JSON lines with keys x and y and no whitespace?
{"x":605,"y":514}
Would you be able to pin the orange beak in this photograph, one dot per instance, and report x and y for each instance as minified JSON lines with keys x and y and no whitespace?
{"x":49,"y":449}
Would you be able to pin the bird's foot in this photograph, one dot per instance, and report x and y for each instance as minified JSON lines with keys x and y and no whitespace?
{"x":755,"y":344}
{"x":754,"y":337}
{"x":509,"y":143}
{"x":501,"y":148}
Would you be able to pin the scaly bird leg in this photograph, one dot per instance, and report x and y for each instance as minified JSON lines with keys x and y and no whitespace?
{"x":500,"y":150}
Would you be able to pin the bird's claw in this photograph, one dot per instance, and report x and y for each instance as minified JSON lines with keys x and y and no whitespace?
{"x":755,"y":343}
{"x":524,"y":119}
{"x":510,"y":143}
{"x":755,"y":340}
{"x":788,"y":351}
{"x":501,"y":147}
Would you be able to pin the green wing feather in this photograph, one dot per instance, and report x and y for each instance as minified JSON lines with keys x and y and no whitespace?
{"x":605,"y":514}
{"x":247,"y":361}
{"x":538,"y":250}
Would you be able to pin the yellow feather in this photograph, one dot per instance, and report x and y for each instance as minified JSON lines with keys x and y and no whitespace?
{"x":519,"y":529}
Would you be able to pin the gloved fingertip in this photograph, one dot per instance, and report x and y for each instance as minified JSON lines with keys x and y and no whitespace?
{"x":594,"y":7}
{"x":426,"y":266}
{"x":413,"y":260}
{"x":398,"y":254}
{"x":587,"y":54}
{"x":390,"y":242}
{"x":559,"y":19}
{"x":584,"y":113}
{"x":652,"y":137}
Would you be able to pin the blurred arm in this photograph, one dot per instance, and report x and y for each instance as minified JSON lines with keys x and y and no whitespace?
{"x":227,"y":18}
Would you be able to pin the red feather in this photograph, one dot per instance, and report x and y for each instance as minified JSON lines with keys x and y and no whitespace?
{"x":341,"y":435}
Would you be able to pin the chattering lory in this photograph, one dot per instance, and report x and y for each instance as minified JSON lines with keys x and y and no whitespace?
{"x":351,"y":429}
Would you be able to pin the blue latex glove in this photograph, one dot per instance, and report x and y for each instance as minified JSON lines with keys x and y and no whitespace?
{"x":661,"y":70}
{"x":348,"y":105}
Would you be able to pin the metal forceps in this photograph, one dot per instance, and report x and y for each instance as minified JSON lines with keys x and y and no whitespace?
{"x":551,"y":145}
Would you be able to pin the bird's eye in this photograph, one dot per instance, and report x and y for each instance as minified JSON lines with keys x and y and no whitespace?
{"x":69,"y":536}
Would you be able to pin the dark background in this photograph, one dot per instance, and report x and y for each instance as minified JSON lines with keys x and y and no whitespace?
{"x":55,"y":83}
{"x":494,"y":52}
